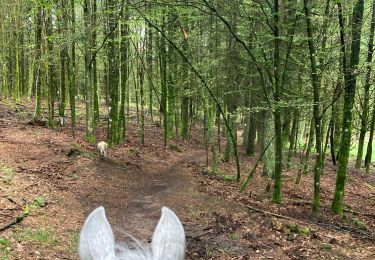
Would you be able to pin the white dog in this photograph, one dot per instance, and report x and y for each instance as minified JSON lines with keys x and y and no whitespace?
{"x":97,"y":241}
{"x":103,"y":147}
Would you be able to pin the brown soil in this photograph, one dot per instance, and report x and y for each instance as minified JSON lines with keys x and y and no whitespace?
{"x":39,"y":164}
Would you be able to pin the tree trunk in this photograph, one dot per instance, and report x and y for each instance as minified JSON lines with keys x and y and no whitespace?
{"x":124,"y":74}
{"x":366,"y":92}
{"x":292,"y":138}
{"x":88,"y":70}
{"x":276,"y":198}
{"x":72,"y":87}
{"x":350,"y":88}
{"x":150,"y":68}
{"x":250,"y":144}
{"x":317,"y":117}
{"x":38,"y":57}
{"x":370,"y":140}
{"x":163,"y":80}
{"x":267,"y":134}
{"x":51,"y":70}
{"x":114,"y":133}
{"x":94,"y":67}
{"x":63,"y":62}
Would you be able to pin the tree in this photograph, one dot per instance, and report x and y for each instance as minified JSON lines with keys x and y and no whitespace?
{"x":350,"y":76}
{"x":366,"y":91}
{"x":88,"y":70}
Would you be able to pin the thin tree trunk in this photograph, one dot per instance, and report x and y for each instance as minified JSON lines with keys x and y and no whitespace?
{"x":370,"y":141}
{"x":149,"y":57}
{"x":250,"y":145}
{"x":317,"y":117}
{"x":366,"y":93}
{"x":72,"y":87}
{"x":292,"y":138}
{"x":163,"y":78}
{"x":94,"y":67}
{"x":124,"y":61}
{"x":51,"y":70}
{"x":63,"y":62}
{"x":114,"y":133}
{"x":38,"y":57}
{"x":88,"y":70}
{"x":268,"y":144}
{"x":350,"y":88}
{"x":276,"y":198}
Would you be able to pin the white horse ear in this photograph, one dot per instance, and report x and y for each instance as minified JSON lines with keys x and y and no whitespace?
{"x":96,"y":240}
{"x":168,"y":241}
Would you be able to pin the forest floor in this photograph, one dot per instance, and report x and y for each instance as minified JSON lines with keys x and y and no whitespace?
{"x":58,"y":180}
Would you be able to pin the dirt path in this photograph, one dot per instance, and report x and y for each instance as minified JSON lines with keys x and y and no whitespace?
{"x":167,"y":185}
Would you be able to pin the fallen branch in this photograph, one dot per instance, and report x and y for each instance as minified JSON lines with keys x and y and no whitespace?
{"x":269,"y":213}
{"x":17,"y":220}
{"x":360,"y":233}
{"x":359,"y":213}
{"x":200,"y":235}
{"x":13,"y":201}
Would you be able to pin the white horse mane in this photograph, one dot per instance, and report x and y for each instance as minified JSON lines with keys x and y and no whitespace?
{"x":97,"y":241}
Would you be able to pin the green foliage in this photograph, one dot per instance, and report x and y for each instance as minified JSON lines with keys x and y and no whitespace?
{"x":90,"y":139}
{"x":209,"y":171}
{"x":7,"y":173}
{"x":73,"y":242}
{"x":4,"y":248}
{"x":3,"y":241}
{"x":74,"y":175}
{"x":39,"y":201}
{"x":305,"y":231}
{"x":234,"y":236}
{"x":175,"y":147}
{"x":359,"y":223}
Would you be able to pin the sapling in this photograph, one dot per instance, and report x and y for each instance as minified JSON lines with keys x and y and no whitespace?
{"x":103,"y":147}
{"x":97,"y":241}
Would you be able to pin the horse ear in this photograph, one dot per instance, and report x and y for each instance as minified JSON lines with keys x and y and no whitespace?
{"x":168,"y":241}
{"x":96,"y":240}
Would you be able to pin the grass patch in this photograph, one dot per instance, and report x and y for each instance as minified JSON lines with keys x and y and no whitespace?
{"x":41,"y":235}
{"x":175,"y":147}
{"x":229,"y":178}
{"x":359,"y":223}
{"x":73,"y":243}
{"x":234,"y":236}
{"x":7,"y":173}
{"x":74,"y":175}
{"x":39,"y":202}
{"x":4,"y":248}
{"x":325,"y":247}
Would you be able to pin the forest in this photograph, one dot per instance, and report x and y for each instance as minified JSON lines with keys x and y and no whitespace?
{"x":252,"y":120}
